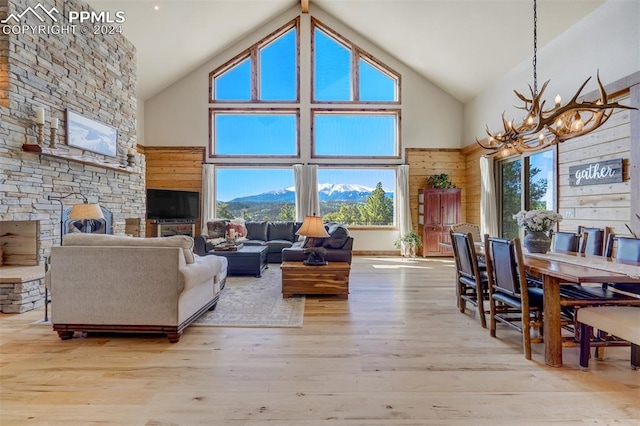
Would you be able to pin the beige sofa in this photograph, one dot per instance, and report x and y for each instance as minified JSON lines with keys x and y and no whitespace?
{"x":125,"y":284}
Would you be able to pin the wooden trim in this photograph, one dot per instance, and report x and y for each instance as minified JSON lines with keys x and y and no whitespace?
{"x":304,"y":6}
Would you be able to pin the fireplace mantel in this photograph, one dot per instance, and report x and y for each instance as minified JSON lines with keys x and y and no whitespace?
{"x":91,"y":161}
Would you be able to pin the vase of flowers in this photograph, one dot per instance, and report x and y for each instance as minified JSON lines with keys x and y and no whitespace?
{"x":537,"y":223}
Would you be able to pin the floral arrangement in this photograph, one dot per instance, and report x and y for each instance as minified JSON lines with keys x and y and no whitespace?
{"x":537,"y":220}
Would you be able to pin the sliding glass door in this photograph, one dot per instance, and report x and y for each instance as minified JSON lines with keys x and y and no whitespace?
{"x":527,"y":182}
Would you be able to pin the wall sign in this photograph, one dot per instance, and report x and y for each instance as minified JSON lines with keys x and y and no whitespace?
{"x":606,"y":171}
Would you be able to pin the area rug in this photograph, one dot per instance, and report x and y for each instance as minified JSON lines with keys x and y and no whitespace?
{"x":255,"y":302}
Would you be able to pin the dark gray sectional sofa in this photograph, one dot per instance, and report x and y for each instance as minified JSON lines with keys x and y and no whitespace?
{"x":282,"y":242}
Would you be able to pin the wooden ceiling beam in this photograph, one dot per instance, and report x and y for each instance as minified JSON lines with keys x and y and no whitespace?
{"x":304,"y":5}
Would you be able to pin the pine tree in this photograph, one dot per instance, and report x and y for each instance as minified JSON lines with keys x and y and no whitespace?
{"x":378,"y":209}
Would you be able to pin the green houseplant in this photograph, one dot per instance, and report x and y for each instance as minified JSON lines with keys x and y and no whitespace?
{"x":408,"y":243}
{"x":440,"y":181}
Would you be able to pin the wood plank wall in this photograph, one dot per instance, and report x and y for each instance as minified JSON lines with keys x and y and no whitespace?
{"x":424,"y":162}
{"x":604,"y":204}
{"x":472,"y":154}
{"x":178,"y":168}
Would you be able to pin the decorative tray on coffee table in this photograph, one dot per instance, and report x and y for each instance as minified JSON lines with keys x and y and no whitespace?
{"x":228,"y":247}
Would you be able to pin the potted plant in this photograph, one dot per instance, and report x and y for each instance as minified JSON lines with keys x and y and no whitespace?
{"x":440,"y":181}
{"x":408,"y":243}
{"x":537,"y":223}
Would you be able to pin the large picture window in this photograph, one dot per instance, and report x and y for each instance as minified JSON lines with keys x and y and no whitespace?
{"x":266,"y":72}
{"x":248,"y":137}
{"x":346,"y":133}
{"x":255,"y":132}
{"x":526,"y":183}
{"x":342,"y":72}
{"x":357,"y":196}
{"x":255,"y":193}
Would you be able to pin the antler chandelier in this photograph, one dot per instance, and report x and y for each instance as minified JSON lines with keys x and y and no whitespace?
{"x":542,"y":127}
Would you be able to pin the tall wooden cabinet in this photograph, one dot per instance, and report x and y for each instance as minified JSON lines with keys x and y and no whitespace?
{"x":440,"y":208}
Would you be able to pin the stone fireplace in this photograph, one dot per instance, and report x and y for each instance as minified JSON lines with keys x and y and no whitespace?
{"x":21,"y":273}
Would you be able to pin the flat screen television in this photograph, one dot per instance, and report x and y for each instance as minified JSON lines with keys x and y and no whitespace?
{"x":164,"y":204}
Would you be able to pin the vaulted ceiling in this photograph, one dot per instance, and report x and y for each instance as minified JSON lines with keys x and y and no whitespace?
{"x":460,"y":45}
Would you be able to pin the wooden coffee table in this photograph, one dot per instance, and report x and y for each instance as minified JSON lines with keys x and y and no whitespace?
{"x":298,"y":278}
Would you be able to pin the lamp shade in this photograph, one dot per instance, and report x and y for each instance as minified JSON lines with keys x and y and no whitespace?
{"x":86,"y":211}
{"x":313,"y":227}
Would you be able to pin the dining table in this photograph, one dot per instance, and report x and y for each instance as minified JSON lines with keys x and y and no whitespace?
{"x":556,"y":268}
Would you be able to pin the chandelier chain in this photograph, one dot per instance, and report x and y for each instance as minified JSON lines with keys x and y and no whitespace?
{"x":535,"y":48}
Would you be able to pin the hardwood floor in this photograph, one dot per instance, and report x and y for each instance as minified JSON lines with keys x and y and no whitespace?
{"x":396,"y":353}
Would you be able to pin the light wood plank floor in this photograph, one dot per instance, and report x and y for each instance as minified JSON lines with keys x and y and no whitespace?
{"x":396,"y":353}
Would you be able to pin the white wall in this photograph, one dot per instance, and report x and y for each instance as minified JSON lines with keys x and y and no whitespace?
{"x":607,"y":40}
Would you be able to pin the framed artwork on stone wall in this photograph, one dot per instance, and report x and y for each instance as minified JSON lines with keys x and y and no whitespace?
{"x":91,"y":135}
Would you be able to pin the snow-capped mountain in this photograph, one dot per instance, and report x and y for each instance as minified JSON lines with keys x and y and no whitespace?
{"x":328,"y":192}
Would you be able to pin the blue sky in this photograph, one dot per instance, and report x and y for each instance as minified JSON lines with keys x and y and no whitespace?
{"x":274,"y":132}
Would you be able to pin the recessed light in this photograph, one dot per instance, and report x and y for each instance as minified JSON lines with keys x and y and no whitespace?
{"x":156,"y":7}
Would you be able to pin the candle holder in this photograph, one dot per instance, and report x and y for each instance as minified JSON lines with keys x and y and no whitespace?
{"x":131,"y":160}
{"x":52,"y":138}
{"x":40,"y":133}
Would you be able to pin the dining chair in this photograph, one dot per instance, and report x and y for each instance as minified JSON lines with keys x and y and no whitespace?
{"x":510,"y":299}
{"x":471,"y":281}
{"x":468,"y":228}
{"x":592,"y":240}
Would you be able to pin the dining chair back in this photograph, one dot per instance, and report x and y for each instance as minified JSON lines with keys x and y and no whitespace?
{"x":472,"y":284}
{"x":510,"y":300}
{"x":565,"y":241}
{"x":592,"y":240}
{"x":628,"y":250}
{"x":465,"y":228}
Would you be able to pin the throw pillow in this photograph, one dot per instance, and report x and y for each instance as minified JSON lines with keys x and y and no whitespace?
{"x":338,"y":237}
{"x":216,"y":228}
{"x":256,"y":230}
{"x":280,"y":231}
{"x":238,"y":225}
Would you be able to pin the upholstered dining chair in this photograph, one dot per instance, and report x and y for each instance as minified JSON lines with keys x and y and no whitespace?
{"x":510,"y":299}
{"x":471,"y":228}
{"x":565,"y":241}
{"x":592,"y":240}
{"x":471,"y":281}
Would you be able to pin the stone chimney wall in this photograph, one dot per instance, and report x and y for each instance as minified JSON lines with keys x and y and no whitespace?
{"x":91,"y":74}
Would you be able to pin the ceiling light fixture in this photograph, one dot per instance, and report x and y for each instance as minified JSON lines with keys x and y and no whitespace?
{"x":542,"y":127}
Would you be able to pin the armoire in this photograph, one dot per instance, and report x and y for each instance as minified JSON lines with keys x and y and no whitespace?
{"x":439,"y":208}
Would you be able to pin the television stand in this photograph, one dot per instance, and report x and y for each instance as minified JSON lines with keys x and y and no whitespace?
{"x":167,"y":228}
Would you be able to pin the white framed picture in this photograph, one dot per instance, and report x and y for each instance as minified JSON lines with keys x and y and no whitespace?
{"x":91,"y":135}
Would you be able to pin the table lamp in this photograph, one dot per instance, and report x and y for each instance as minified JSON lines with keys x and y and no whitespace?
{"x":312,"y":228}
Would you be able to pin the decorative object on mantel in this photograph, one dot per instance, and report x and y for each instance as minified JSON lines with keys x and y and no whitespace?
{"x":40,"y":124}
{"x":542,"y":127}
{"x":52,"y":134}
{"x":440,"y":181}
{"x":131,"y":157}
{"x":91,"y":135}
{"x":537,"y":223}
{"x":312,"y":228}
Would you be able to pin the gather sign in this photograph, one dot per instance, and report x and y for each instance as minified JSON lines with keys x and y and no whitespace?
{"x":606,"y":171}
